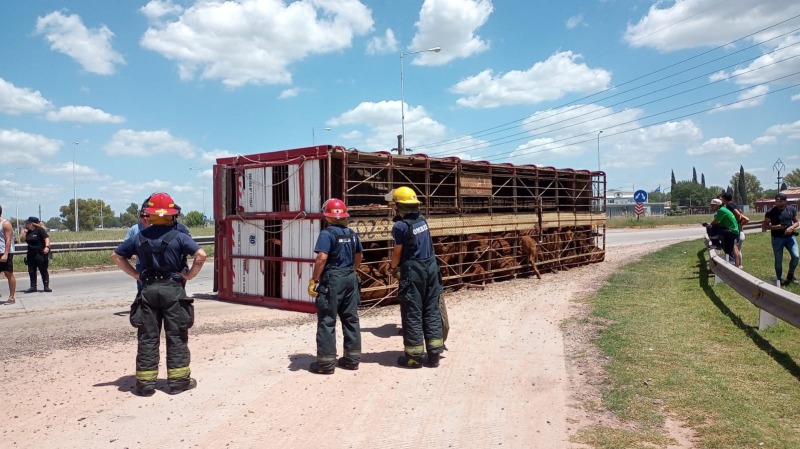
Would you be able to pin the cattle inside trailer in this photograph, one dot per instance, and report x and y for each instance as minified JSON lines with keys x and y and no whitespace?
{"x":490,"y":222}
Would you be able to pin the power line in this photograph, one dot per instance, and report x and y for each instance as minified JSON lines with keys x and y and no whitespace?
{"x":519,"y":122}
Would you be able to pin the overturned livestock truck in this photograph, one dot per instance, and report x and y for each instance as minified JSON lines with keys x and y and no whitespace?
{"x":489,"y":222}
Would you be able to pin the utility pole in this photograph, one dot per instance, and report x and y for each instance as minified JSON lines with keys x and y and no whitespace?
{"x":778,"y":167}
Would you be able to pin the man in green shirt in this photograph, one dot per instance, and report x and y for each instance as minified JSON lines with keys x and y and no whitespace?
{"x":726,"y":226}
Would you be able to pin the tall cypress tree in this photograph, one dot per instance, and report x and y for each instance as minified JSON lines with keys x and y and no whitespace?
{"x":672,"y":181}
{"x":742,"y":187}
{"x":703,"y":179}
{"x":694,"y":175}
{"x":783,"y":186}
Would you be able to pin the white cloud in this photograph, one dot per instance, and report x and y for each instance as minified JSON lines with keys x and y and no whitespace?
{"x":256,"y":41}
{"x":574,"y":21}
{"x":16,"y":100}
{"x":83,"y":114}
{"x":289,"y":93}
{"x":544,"y":81}
{"x":147,"y":143}
{"x":451,"y":25}
{"x":90,"y":48}
{"x":672,"y":26}
{"x":210,"y":157}
{"x":765,"y":140}
{"x":572,"y":132}
{"x":382,"y":125}
{"x":789,"y":131}
{"x":795,"y":97}
{"x":382,"y":45}
{"x":720,"y":146}
{"x":82,"y":172}
{"x":18,"y":147}
{"x":155,"y":10}
{"x":747,"y":99}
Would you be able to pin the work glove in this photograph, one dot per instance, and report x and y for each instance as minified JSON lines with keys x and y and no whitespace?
{"x":312,"y":288}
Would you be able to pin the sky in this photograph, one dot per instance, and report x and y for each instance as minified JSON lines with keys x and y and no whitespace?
{"x":116,"y":100}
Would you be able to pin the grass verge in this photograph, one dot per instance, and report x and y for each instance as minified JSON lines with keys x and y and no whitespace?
{"x":656,"y":221}
{"x":679,"y":346}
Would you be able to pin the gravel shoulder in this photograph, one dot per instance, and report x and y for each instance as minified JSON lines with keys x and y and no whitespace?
{"x":518,"y":373}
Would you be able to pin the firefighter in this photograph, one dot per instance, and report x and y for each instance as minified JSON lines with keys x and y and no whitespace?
{"x":160,"y":249}
{"x":335,"y":287}
{"x":420,"y":282}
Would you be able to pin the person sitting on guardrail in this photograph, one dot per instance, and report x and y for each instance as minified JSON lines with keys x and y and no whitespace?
{"x":782,"y":223}
{"x":726,"y":227}
{"x":741,"y":218}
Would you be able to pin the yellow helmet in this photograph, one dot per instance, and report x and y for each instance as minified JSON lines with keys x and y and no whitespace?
{"x":404,"y":195}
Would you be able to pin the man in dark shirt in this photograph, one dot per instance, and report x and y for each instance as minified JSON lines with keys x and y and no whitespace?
{"x":161,"y":248}
{"x":782,"y":223}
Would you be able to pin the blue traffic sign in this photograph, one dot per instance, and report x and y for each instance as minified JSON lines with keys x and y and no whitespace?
{"x":640,"y":196}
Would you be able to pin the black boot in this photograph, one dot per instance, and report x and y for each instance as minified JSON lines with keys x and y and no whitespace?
{"x":348,"y":363}
{"x":30,"y":290}
{"x":322,"y":368}
{"x":433,"y":360}
{"x":410,"y":361}
{"x":47,"y":287}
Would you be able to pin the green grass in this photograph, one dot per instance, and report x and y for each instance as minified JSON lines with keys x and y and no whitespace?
{"x":677,"y":345}
{"x":656,"y":221}
{"x":94,"y":259}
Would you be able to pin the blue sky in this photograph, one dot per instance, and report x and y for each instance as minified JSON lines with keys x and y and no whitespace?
{"x":153,"y":92}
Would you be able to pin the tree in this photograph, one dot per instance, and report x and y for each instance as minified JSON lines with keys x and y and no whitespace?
{"x":89,"y":213}
{"x":193,"y":219}
{"x":672,"y":181}
{"x":783,"y":186}
{"x":792,"y":178}
{"x":694,"y":175}
{"x":656,"y":196}
{"x":130,"y":217}
{"x":703,"y":179}
{"x":691,"y":194}
{"x":55,"y":223}
{"x":743,"y":187}
{"x":752,"y":187}
{"x":769,"y":193}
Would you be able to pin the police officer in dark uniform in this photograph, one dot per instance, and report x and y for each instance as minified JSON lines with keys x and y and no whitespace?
{"x":420,"y":282}
{"x":161,"y":248}
{"x":335,"y":287}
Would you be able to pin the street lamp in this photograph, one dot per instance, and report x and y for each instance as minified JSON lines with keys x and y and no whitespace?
{"x":201,"y":170}
{"x":313,"y":136}
{"x":16,"y":197}
{"x":75,"y":185}
{"x":401,"y":145}
{"x":598,"y":149}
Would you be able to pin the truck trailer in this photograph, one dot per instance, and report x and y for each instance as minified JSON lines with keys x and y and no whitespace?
{"x":490,"y":222}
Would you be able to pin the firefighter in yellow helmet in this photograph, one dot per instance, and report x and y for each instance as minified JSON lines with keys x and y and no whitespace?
{"x":161,"y":248}
{"x":420,"y":282}
{"x":334,"y":286}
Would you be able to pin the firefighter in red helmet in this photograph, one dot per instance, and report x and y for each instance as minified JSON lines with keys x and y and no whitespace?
{"x":161,"y":249}
{"x":335,"y":287}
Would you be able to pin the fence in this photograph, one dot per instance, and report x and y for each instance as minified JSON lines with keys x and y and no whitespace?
{"x":770,"y":299}
{"x":99,"y":245}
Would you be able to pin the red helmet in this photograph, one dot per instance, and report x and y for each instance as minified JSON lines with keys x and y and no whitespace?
{"x":334,"y":208}
{"x":161,"y":204}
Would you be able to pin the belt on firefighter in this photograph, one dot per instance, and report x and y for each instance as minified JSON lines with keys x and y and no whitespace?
{"x":151,"y":279}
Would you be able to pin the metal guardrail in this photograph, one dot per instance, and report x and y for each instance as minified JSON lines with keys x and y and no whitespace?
{"x":769,"y":298}
{"x":99,"y":245}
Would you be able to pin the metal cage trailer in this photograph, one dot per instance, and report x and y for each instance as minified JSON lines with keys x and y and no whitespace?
{"x":490,"y":222}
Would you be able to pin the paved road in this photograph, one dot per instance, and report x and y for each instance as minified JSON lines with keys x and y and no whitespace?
{"x":111,"y":286}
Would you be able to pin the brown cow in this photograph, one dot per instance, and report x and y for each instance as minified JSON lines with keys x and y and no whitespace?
{"x":528,"y":246}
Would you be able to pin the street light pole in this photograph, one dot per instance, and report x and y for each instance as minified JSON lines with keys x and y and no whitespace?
{"x":16,"y":197}
{"x":313,"y":137}
{"x":598,"y":149}
{"x":402,"y":144}
{"x":75,"y":185}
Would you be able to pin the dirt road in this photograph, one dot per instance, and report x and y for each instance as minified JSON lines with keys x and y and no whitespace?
{"x":507,"y":379}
